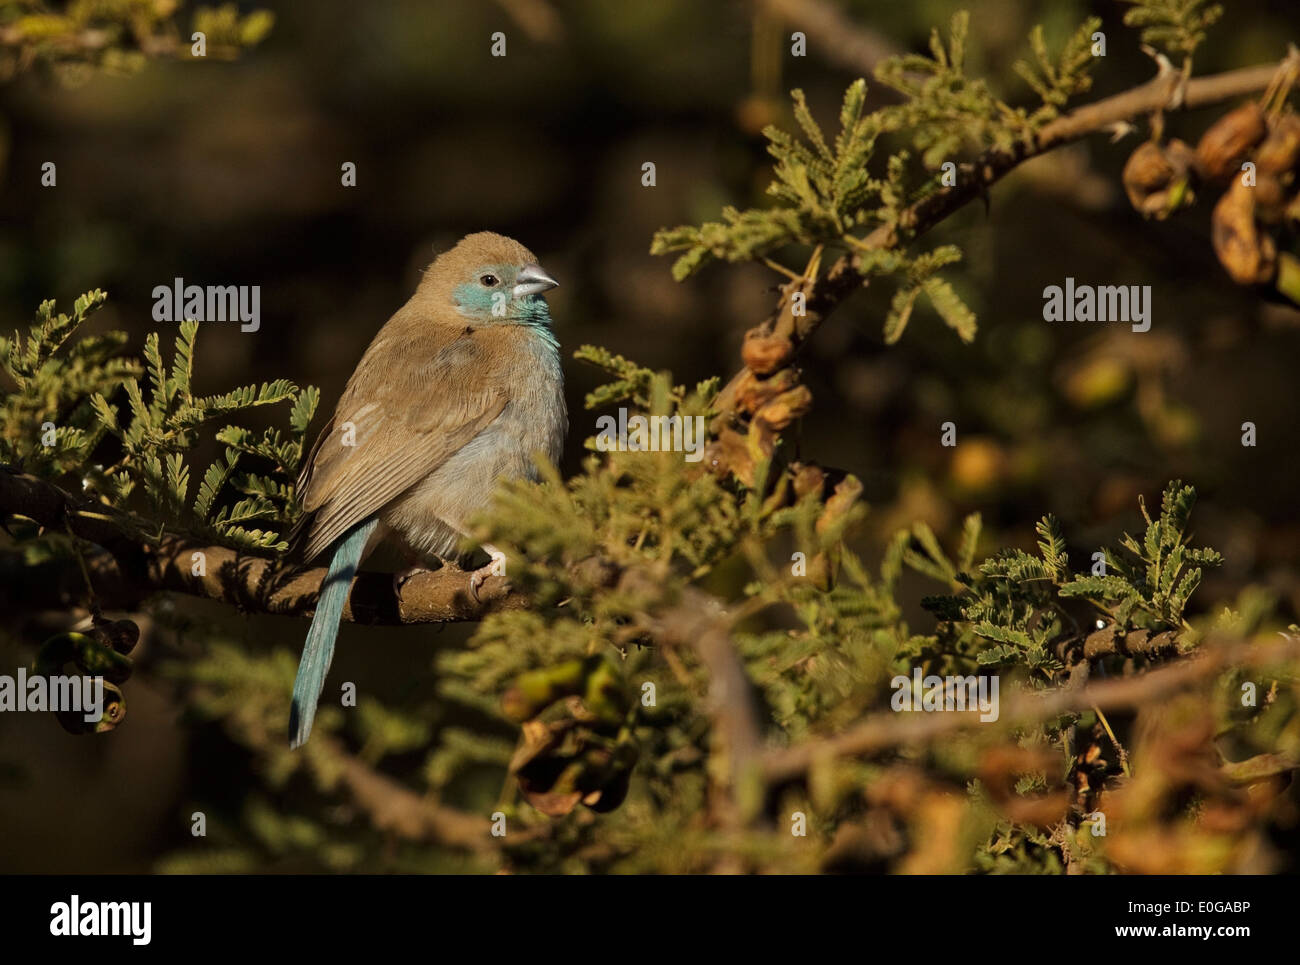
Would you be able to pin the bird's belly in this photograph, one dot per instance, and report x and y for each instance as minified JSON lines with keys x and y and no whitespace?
{"x":432,"y":516}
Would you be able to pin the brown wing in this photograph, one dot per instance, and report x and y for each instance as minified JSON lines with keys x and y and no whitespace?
{"x":398,"y":420}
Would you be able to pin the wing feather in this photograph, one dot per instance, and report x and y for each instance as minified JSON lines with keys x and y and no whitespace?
{"x":395,"y":443}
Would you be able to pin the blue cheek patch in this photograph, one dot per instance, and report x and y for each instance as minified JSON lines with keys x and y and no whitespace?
{"x":473,"y":299}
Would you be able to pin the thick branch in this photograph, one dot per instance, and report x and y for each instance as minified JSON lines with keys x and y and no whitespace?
{"x":134,"y":569}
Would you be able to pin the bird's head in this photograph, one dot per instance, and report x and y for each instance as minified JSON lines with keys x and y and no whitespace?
{"x":490,"y":279}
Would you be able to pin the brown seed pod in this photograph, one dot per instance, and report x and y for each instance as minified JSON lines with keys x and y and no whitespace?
{"x":1270,"y":199}
{"x":729,"y":453}
{"x":808,"y":479}
{"x":785,"y":408}
{"x":764,"y":354}
{"x":753,"y":393}
{"x":1157,"y":178}
{"x":847,"y":492}
{"x":1147,"y":169}
{"x":1247,"y":254}
{"x":1280,"y":153}
{"x":1229,"y":142}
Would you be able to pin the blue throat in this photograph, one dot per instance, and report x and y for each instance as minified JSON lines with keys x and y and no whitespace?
{"x":537,"y":319}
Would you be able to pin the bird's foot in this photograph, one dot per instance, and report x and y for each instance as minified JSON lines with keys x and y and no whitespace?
{"x":496,"y":566}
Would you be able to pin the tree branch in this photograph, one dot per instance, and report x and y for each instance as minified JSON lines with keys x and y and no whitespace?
{"x":844,"y":42}
{"x":889,"y":729}
{"x":1158,"y":94}
{"x":133,"y":568}
{"x":698,"y":621}
{"x":410,"y":816}
{"x":974,"y":179}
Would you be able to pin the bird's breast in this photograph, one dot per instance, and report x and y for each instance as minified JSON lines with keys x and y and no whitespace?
{"x":433,"y":514}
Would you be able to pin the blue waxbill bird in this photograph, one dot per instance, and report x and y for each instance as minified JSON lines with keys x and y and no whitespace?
{"x":459,"y":389}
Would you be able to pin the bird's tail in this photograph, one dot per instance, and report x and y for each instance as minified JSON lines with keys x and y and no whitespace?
{"x":319,"y":648}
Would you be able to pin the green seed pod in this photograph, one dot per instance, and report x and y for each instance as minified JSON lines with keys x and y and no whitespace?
{"x":96,"y":659}
{"x":114,"y":709}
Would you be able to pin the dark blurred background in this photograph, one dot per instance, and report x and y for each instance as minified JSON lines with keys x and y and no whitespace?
{"x":229,"y":173}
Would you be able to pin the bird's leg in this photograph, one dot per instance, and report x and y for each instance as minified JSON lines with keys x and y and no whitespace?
{"x":496,"y":566}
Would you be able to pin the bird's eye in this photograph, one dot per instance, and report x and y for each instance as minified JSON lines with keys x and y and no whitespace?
{"x":489,"y":280}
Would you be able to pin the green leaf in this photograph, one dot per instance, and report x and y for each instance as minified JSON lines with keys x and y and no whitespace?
{"x":1176,"y":26}
{"x":1098,"y":587}
{"x":900,"y":312}
{"x":213,"y":480}
{"x":304,"y":407}
{"x":951,"y":308}
{"x":1052,"y":545}
{"x":183,"y":360}
{"x":158,"y":399}
{"x":970,"y":535}
{"x":1007,"y":635}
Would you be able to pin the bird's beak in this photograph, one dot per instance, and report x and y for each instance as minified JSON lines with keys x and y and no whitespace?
{"x":533,"y":280}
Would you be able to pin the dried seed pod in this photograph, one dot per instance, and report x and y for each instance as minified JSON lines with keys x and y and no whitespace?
{"x":729,"y":453}
{"x":1247,"y":254}
{"x":1147,"y":171}
{"x":760,"y":439}
{"x":764,"y":354}
{"x":1157,"y":178}
{"x":1270,"y":199}
{"x":847,"y":492}
{"x":1181,"y":155}
{"x":808,"y":479}
{"x":752,"y":393}
{"x":1229,"y":141}
{"x":786,"y":407}
{"x":1280,"y":152}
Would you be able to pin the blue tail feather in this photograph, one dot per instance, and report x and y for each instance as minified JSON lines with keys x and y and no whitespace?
{"x":318,"y":651}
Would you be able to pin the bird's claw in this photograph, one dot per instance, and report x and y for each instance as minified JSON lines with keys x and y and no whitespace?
{"x":495,"y":566}
{"x":479,"y":577}
{"x":401,"y":577}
